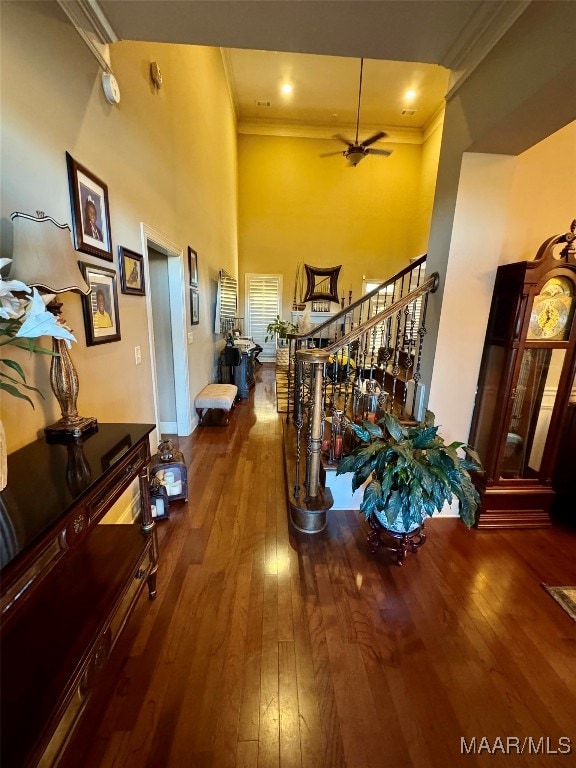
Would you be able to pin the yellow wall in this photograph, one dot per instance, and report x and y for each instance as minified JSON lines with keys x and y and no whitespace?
{"x":297,"y":207}
{"x":169,"y":160}
{"x":427,"y":186}
{"x":543,"y":197}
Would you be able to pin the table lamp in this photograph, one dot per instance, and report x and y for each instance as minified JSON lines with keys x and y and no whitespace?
{"x":44,"y":258}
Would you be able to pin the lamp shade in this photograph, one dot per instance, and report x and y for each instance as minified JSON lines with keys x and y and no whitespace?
{"x":44,"y":256}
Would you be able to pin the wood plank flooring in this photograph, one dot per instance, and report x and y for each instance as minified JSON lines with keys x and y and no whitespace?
{"x":269,"y":649}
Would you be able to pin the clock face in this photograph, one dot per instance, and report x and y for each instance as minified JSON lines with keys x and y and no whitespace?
{"x":552,"y":311}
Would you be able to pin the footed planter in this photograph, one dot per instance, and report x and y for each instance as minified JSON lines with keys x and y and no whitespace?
{"x":394,"y":538}
{"x":408,"y":473}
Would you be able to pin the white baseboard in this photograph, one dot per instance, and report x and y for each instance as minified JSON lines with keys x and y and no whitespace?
{"x":169,"y":427}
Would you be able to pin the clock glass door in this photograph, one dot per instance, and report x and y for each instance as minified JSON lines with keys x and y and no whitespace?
{"x":532,"y":405}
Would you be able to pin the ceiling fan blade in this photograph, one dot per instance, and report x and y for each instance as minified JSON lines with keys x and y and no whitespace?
{"x":385,"y":152}
{"x":372,"y":139}
{"x":343,"y":139}
{"x":330,"y":154}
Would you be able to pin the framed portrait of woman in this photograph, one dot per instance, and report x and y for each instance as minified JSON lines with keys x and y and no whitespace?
{"x":90,"y":211}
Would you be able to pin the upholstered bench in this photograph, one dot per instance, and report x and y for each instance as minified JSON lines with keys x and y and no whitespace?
{"x":216,"y":396}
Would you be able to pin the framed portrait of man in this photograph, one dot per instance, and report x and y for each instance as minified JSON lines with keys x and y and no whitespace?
{"x":90,"y":211}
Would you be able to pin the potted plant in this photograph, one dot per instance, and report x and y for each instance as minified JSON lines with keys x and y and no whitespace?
{"x":280,"y":329}
{"x":411,"y":473}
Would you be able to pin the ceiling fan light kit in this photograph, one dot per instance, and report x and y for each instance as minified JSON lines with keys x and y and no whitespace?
{"x":355,"y":150}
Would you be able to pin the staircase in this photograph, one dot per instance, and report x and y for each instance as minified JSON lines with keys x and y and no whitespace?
{"x":363,"y":361}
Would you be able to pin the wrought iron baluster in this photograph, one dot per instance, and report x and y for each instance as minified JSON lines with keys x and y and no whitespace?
{"x":421,"y":334}
{"x":290,"y":370}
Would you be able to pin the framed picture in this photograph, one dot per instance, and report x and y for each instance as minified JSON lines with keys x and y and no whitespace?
{"x":131,"y":271}
{"x":100,"y":307}
{"x":90,"y":211}
{"x":322,"y":283}
{"x":193,"y":266}
{"x":194,"y":306}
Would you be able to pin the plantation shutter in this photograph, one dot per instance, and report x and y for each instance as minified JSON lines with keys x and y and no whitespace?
{"x":263,"y":294}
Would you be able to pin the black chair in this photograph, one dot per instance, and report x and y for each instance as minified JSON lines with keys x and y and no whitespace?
{"x":230,"y":358}
{"x":257,"y":351}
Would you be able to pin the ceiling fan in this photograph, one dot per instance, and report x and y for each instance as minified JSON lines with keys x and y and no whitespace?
{"x":355,"y":150}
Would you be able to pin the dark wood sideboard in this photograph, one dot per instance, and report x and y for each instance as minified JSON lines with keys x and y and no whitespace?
{"x":69,"y":580}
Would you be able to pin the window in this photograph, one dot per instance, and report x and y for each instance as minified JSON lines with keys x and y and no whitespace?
{"x":263,"y":303}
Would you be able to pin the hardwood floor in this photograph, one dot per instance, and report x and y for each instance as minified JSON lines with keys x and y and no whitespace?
{"x":266,"y":648}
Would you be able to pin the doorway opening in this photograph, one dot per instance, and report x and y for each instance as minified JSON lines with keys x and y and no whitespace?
{"x":166,"y":311}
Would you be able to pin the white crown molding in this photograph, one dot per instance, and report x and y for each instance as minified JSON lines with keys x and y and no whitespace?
{"x":231,"y":83}
{"x":488,"y":25}
{"x":267,"y":127}
{"x":89,"y":21}
{"x":434,"y":122}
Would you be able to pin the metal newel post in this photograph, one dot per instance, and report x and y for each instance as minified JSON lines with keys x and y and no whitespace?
{"x":316,"y":433}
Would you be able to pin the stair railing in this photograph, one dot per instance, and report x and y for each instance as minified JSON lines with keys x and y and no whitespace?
{"x":352,"y":317}
{"x":380,"y":354}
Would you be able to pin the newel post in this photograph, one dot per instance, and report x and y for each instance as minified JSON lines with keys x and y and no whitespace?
{"x":316,"y":428}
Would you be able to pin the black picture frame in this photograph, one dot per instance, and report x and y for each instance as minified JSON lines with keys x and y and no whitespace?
{"x":90,"y":211}
{"x":322,"y":283}
{"x":193,"y":267}
{"x":131,"y":268}
{"x":194,"y":306}
{"x":102,"y":300}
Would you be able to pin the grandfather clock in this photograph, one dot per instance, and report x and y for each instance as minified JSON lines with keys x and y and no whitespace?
{"x":526,"y":382}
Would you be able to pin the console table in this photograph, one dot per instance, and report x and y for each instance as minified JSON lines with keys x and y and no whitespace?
{"x":70,"y":578}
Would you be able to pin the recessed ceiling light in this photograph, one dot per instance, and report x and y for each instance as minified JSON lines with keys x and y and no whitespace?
{"x":287,"y":89}
{"x":410,"y":95}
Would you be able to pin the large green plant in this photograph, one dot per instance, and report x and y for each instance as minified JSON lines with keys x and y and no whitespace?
{"x":279,"y":327}
{"x":411,"y":471}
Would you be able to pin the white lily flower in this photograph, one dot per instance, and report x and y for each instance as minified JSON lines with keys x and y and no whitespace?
{"x":7,"y":286}
{"x":11,"y":308}
{"x":39,"y":322}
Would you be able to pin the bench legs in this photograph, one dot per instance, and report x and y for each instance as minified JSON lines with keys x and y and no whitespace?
{"x":202,"y":412}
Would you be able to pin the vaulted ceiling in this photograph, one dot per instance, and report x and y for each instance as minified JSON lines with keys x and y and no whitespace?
{"x":316,"y":45}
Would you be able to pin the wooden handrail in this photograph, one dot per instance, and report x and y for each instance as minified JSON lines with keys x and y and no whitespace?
{"x":317,"y":330}
{"x":322,"y":355}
